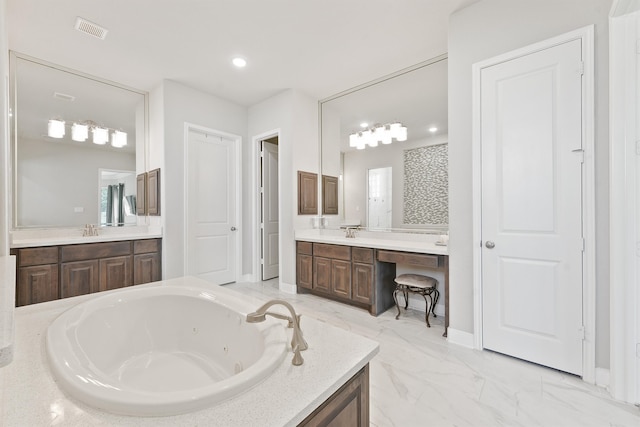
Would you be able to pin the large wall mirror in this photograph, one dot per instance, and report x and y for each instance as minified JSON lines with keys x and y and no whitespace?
{"x":78,"y":143}
{"x":392,"y":183}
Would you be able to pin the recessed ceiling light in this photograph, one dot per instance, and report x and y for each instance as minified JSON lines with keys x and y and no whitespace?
{"x":239,"y":62}
{"x":433,"y":129}
{"x":364,"y":125}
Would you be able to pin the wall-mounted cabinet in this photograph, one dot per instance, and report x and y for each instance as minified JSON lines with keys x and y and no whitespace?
{"x":53,"y":272}
{"x":148,"y":193}
{"x":329,"y":195}
{"x":307,"y":193}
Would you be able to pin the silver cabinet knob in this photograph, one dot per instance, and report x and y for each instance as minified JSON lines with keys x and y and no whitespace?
{"x":490,"y":244}
{"x":233,"y":229}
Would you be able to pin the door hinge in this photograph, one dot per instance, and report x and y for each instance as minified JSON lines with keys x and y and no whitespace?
{"x":581,"y":68}
{"x":580,"y":153}
{"x":581,"y":333}
{"x":262,"y":153}
{"x":261,"y":190}
{"x":583,"y":244}
{"x":261,"y":261}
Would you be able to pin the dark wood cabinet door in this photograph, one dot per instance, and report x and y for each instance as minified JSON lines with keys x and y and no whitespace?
{"x":341,"y":278}
{"x":304,"y":271}
{"x":322,"y":274}
{"x":115,"y":273}
{"x":37,"y":284}
{"x":362,"y":283}
{"x":349,"y":406}
{"x":79,"y":278}
{"x":146,"y":268}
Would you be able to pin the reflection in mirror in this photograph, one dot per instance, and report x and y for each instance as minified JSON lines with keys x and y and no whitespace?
{"x":417,"y":195}
{"x":68,"y":128}
{"x":117,"y":197}
{"x":380,"y":192}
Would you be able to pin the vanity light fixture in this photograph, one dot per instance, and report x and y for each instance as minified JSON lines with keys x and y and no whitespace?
{"x":100,"y":135}
{"x":55,"y":129}
{"x":79,"y":132}
{"x":378,"y":134}
{"x":118,"y":139}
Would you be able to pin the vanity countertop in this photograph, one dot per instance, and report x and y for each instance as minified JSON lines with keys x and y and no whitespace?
{"x":405,"y":242}
{"x":30,"y":396}
{"x":72,"y":236}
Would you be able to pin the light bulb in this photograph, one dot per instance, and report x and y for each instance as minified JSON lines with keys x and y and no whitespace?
{"x":100,"y":135}
{"x":55,"y":129}
{"x":118,"y":139}
{"x":79,"y":132}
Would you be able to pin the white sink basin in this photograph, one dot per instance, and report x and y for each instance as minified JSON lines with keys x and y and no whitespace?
{"x":161,"y":350}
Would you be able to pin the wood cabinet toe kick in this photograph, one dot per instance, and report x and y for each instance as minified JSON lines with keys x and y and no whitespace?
{"x":360,"y":276}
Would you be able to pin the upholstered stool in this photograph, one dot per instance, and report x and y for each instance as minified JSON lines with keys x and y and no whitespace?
{"x":417,"y":284}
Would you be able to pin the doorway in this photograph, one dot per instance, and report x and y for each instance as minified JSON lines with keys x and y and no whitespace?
{"x":379,"y":198}
{"x":533,"y":192}
{"x":269,"y":209}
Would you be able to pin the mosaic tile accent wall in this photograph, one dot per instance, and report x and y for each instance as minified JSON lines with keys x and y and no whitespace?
{"x":426,"y":185}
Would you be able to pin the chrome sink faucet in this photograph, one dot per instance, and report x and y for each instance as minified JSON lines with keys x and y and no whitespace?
{"x":350,"y":232}
{"x":298,"y":343}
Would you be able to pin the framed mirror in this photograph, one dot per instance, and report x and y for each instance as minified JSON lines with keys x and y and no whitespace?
{"x":397,"y":182}
{"x":73,"y":137}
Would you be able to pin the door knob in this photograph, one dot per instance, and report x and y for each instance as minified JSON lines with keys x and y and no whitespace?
{"x":233,"y":229}
{"x":490,"y":244}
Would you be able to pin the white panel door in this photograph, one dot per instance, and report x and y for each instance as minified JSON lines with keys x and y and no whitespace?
{"x":211,"y":208}
{"x":270,"y":224}
{"x":531,"y":111}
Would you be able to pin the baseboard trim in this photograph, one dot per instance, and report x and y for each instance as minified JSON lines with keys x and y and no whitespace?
{"x":603,"y":377}
{"x":248,"y":278}
{"x":288,"y":288}
{"x":464,"y":339}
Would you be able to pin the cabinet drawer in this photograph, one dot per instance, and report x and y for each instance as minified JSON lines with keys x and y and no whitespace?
{"x":420,"y":260}
{"x":146,"y":246}
{"x":364,"y":255}
{"x":332,"y":251}
{"x":305,"y":248}
{"x":95,"y":250}
{"x":37,"y":256}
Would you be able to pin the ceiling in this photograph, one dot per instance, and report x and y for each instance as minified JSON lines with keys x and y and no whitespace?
{"x":320,"y":47}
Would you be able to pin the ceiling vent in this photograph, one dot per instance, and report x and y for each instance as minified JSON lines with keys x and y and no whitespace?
{"x":90,"y":28}
{"x":64,"y":96}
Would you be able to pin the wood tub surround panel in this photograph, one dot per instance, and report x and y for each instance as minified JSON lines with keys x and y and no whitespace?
{"x":349,"y":406}
{"x":359,"y":276}
{"x":53,"y":272}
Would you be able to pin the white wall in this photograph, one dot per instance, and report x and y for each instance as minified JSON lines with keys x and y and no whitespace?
{"x":296,"y":116}
{"x":479,"y":32}
{"x":5,"y":163}
{"x":180,"y":105}
{"x":43,"y":201}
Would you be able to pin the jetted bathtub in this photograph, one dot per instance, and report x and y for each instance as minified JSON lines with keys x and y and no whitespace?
{"x":161,"y":350}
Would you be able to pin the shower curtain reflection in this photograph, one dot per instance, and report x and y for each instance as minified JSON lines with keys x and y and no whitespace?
{"x":115,"y":205}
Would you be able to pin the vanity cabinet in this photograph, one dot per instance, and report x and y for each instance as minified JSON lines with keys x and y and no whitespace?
{"x":361,"y":276}
{"x":53,"y":272}
{"x":344,"y":273}
{"x":304,"y":264}
{"x":37,"y":275}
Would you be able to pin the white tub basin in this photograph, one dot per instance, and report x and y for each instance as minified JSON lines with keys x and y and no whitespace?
{"x":161,"y":350}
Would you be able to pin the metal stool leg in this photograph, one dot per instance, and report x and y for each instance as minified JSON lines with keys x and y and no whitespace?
{"x":428,"y":307}
{"x":395,"y":298}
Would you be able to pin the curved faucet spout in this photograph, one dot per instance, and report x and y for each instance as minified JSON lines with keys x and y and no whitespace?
{"x":298,"y":342}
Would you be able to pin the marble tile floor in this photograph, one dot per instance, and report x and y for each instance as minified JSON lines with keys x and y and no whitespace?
{"x":419,"y":379}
